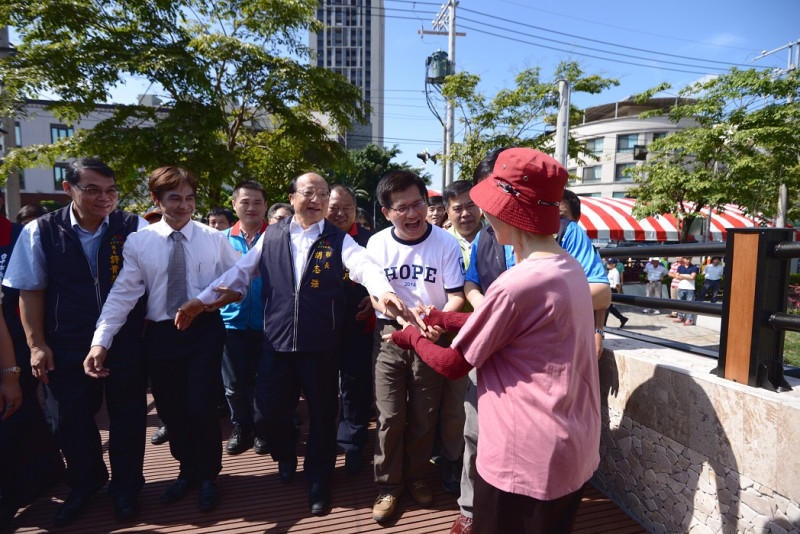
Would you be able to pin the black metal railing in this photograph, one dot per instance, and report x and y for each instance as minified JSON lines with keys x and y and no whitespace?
{"x":684,"y":249}
{"x":754,"y":318}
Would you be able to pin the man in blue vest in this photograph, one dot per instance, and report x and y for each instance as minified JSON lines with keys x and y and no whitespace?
{"x":64,"y":265}
{"x":244,"y":321}
{"x":301,"y":262}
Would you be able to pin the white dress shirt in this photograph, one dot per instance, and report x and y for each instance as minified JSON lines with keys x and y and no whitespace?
{"x":146,"y":259}
{"x":363,"y":269}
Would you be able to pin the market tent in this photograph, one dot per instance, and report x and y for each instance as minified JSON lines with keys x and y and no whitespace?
{"x":611,"y":219}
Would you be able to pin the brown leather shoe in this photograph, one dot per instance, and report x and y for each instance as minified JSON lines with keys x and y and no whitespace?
{"x":462,"y":525}
{"x":384,"y":507}
{"x":420,"y":492}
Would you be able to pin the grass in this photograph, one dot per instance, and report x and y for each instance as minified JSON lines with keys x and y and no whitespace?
{"x":791,"y":348}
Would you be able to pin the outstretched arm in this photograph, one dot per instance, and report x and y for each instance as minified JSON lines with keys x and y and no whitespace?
{"x":446,"y":361}
{"x":448,"y":321}
{"x":194,"y":307}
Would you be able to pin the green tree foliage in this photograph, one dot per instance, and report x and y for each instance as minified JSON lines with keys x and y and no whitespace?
{"x":239,"y":97}
{"x":745,"y":143}
{"x":516,"y":116}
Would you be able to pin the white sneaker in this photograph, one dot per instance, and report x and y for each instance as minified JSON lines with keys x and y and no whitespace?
{"x":656,"y":312}
{"x":646,"y":310}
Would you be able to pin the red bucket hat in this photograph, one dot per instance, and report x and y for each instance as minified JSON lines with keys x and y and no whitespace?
{"x":524,"y":190}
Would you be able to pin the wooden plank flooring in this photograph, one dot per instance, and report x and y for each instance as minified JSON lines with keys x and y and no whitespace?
{"x":254,"y":500}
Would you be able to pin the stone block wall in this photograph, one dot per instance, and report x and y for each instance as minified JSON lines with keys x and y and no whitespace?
{"x":685,"y":451}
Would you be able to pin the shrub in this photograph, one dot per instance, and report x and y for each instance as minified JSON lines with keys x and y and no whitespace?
{"x":794,"y":296}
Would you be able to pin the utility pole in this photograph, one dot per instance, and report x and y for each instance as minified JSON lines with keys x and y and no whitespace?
{"x":783,"y":193}
{"x":451,"y":50}
{"x":439,"y":23}
{"x":562,"y":126}
{"x":9,"y":138}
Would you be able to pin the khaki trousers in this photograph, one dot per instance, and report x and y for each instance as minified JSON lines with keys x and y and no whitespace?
{"x":407,"y":395}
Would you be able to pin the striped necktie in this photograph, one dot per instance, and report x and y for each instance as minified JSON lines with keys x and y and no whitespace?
{"x":176,"y":275}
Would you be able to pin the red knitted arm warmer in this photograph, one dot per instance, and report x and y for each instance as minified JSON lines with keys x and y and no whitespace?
{"x":450,"y":321}
{"x":447,"y":362}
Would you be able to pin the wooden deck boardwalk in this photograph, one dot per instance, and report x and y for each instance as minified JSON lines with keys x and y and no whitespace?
{"x":254,"y":500}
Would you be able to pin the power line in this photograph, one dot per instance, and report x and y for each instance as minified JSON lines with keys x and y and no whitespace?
{"x":621,"y":54}
{"x":590,"y":21}
{"x":409,"y":117}
{"x":401,"y":139}
{"x":583,"y":54}
{"x":605,"y":43}
{"x":436,"y":4}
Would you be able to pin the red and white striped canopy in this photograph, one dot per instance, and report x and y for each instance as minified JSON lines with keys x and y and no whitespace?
{"x":611,"y":219}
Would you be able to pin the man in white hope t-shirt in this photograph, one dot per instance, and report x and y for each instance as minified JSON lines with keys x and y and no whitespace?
{"x":423,"y":264}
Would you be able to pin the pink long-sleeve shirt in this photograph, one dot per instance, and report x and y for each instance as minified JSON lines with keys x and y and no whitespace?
{"x":532,"y":341}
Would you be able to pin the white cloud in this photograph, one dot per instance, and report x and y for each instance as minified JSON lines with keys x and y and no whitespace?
{"x":725,"y":39}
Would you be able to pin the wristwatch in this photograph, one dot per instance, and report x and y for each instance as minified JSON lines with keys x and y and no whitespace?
{"x":598,"y":331}
{"x":13,"y":369}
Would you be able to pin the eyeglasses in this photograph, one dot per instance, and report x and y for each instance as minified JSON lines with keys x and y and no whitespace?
{"x":416,"y":206}
{"x":323,"y":194}
{"x":92,"y":191}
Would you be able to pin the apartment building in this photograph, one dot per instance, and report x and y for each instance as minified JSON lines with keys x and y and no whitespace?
{"x":614,"y":135}
{"x":351,"y":43}
{"x":38,"y":126}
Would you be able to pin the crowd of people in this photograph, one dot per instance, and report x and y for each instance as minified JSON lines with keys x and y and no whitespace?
{"x":476,"y":343}
{"x":681,"y":276}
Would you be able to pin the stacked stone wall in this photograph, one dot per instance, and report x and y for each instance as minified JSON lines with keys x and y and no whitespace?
{"x":685,"y":451}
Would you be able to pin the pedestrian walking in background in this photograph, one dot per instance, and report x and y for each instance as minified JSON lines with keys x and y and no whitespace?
{"x":614,"y":281}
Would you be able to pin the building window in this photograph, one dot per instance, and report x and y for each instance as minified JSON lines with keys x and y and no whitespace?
{"x":59,"y":175}
{"x":625,"y":142}
{"x":573,"y":173}
{"x":59,"y":131}
{"x":18,"y":134}
{"x":595,"y":146}
{"x":620,"y":194}
{"x":21,"y":174}
{"x":590,"y":195}
{"x":592,"y":174}
{"x":659,"y":135}
{"x":620,"y":176}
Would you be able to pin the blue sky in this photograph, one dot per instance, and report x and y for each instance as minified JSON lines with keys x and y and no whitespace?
{"x":503,"y":37}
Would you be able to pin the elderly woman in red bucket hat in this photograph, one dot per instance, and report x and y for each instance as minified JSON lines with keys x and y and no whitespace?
{"x":532,"y":341}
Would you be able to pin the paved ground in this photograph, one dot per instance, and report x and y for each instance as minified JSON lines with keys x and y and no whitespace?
{"x":704,"y":334}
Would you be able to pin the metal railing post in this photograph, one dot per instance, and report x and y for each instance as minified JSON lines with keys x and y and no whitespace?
{"x":751,"y":351}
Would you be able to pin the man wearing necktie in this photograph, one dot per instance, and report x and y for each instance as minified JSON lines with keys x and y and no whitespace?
{"x":170,"y":262}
